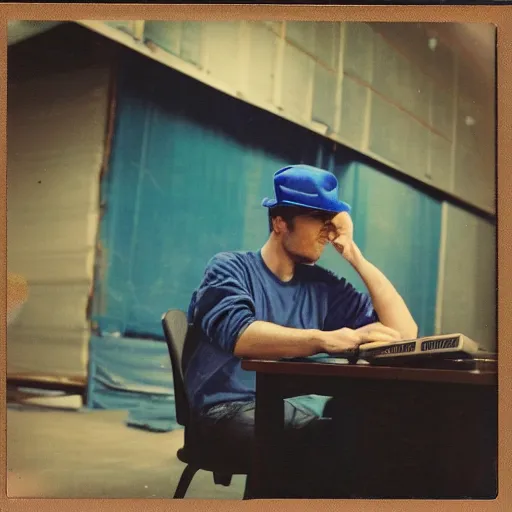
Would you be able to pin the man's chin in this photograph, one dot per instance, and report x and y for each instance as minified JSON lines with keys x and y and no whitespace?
{"x":305,"y":260}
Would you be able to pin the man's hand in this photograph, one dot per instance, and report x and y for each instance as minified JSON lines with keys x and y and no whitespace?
{"x":342,"y":237}
{"x":346,"y":339}
{"x":378,"y":329}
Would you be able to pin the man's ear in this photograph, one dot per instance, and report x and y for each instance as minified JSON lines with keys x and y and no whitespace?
{"x":279,"y":225}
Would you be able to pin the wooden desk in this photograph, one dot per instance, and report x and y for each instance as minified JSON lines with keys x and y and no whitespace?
{"x":412,"y":432}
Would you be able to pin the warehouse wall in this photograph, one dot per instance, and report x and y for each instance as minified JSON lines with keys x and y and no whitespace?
{"x":57,"y":116}
{"x":467,"y":294}
{"x":186,"y":179}
{"x":410,"y":95}
{"x":378,"y":88}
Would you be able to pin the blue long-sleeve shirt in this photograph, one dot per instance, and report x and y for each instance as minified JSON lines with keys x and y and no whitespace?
{"x":238,"y":289}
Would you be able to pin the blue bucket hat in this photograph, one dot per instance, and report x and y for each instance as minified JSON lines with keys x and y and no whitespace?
{"x":307,"y":187}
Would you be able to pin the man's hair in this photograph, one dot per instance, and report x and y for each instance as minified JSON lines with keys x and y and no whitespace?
{"x":287,"y":213}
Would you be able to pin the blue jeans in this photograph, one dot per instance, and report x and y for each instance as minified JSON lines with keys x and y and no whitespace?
{"x":309,"y":446}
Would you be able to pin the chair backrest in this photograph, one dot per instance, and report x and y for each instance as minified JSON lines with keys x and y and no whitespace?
{"x":177,"y":334}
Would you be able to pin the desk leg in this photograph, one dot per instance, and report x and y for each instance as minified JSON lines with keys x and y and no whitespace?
{"x":269,"y":427}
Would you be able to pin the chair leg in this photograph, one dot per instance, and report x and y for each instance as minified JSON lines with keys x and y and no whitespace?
{"x":247,"y":490}
{"x":222,"y":479}
{"x":186,"y":478}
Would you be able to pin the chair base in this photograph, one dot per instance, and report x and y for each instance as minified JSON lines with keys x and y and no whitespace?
{"x":219,"y":479}
{"x":222,"y":479}
{"x":185,"y":479}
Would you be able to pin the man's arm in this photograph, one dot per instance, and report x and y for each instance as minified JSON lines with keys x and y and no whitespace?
{"x":224,"y":310}
{"x":265,"y":340}
{"x":387,"y":302}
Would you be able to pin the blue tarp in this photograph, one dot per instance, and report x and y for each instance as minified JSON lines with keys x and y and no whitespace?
{"x":188,"y":169}
{"x":134,"y":375}
{"x":187,"y":174}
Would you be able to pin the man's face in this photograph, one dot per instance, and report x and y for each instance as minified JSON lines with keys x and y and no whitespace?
{"x":307,"y":236}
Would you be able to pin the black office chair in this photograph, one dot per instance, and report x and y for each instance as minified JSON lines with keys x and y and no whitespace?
{"x":196,"y":452}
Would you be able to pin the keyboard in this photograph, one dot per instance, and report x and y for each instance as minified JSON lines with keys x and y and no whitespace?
{"x":452,"y":345}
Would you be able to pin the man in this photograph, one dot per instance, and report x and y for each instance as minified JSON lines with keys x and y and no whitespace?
{"x":277,"y":303}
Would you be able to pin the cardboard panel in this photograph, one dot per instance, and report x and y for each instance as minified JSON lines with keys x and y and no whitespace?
{"x":324,"y":93}
{"x":442,"y":106}
{"x":358,"y":50}
{"x":302,"y":34}
{"x":327,"y":43}
{"x":353,"y":111}
{"x":298,"y":69}
{"x":166,"y":34}
{"x":57,"y":123}
{"x":440,"y":164}
{"x":416,"y":142}
{"x":387,"y":128}
{"x":222,"y":49}
{"x":191,"y":42}
{"x":262,"y":55}
{"x":469,"y":287}
{"x":474,"y":156}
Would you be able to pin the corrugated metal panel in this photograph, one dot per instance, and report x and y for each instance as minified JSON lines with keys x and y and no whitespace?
{"x":468,"y":301}
{"x":56,"y":127}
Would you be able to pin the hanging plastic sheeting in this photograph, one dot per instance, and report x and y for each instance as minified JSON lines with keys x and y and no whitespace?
{"x":133,"y":375}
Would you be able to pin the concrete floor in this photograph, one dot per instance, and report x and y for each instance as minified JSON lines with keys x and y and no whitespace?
{"x":92,"y":454}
